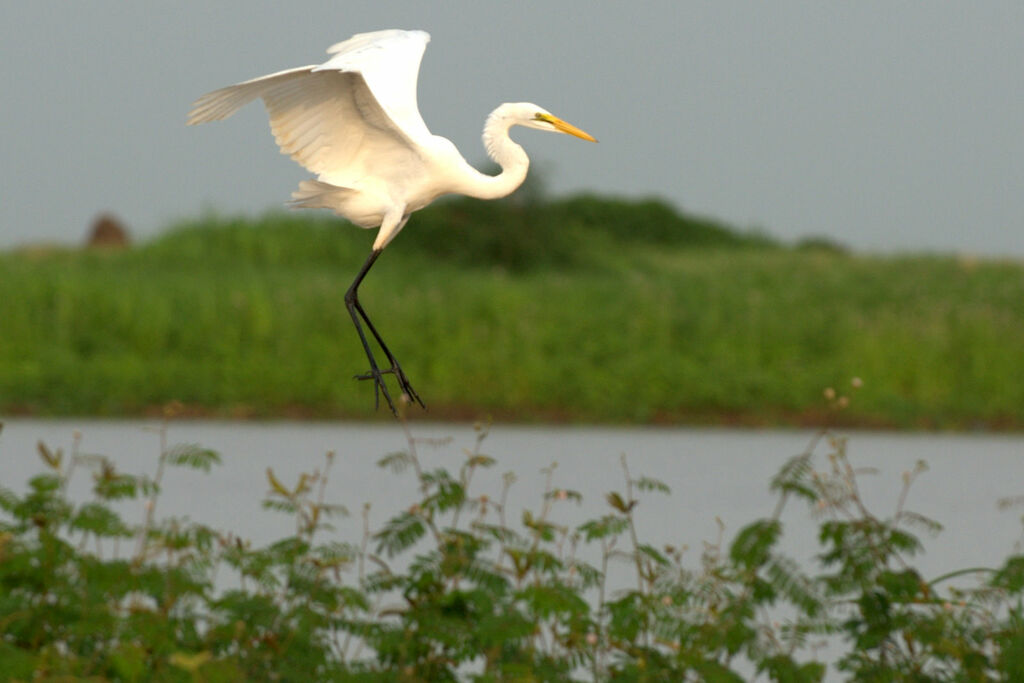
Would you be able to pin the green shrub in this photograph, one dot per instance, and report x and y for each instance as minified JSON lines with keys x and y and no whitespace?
{"x":518,"y":234}
{"x":481,"y":596}
{"x":524,"y":235}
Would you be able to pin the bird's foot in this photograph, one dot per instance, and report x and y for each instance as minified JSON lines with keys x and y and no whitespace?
{"x":377,"y":375}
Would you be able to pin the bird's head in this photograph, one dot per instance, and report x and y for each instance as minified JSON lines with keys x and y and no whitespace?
{"x":532,"y":116}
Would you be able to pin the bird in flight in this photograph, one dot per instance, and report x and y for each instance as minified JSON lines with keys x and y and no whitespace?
{"x":354,"y":122}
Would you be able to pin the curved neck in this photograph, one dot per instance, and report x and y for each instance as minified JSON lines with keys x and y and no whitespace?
{"x":504,"y":152}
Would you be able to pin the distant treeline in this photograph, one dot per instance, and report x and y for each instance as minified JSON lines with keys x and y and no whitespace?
{"x":514,"y":233}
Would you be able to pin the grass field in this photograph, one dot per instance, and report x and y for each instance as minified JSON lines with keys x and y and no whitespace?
{"x":583,"y":309}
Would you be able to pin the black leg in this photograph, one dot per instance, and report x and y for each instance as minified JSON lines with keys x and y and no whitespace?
{"x":376,"y":374}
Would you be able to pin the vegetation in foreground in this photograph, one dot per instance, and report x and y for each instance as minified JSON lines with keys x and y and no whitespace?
{"x":458,"y":586}
{"x":582,"y":309}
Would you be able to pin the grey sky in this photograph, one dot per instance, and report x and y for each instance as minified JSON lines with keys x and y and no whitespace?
{"x":886,"y":125}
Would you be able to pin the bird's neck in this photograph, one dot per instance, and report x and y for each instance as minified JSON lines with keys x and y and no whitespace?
{"x":504,"y":152}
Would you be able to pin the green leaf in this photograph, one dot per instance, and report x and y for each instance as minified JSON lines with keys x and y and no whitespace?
{"x":8,"y":499}
{"x":544,"y":562}
{"x":285,"y":506}
{"x":449,"y":494}
{"x":543,"y":529}
{"x":330,"y":509}
{"x":615,"y":500}
{"x":589,"y":576}
{"x":397,"y":461}
{"x":1011,"y":644}
{"x":400,"y":533}
{"x":714,"y":672}
{"x":901,"y":586}
{"x":500,"y":534}
{"x":794,"y":477}
{"x":917,"y":520}
{"x":52,"y":460}
{"x":648,"y":484}
{"x":553,"y":599}
{"x":280,"y":489}
{"x":288,"y":550}
{"x":129,"y":661}
{"x":480,"y":460}
{"x":652,"y":553}
{"x":609,"y":525}
{"x":44,"y":483}
{"x":783,"y":668}
{"x":752,"y":546}
{"x":785,"y":576}
{"x":192,"y":455}
{"x":484,"y":574}
{"x":628,"y":616}
{"x":902,"y":541}
{"x":335,"y":552}
{"x":1011,"y":576}
{"x":99,"y":520}
{"x":112,"y":485}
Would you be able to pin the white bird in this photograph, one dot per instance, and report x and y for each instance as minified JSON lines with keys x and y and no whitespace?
{"x":354,"y":122}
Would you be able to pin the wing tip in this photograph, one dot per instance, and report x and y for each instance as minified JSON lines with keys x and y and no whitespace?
{"x":368,"y":37}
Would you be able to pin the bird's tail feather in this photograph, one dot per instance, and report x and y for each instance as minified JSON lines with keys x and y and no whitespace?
{"x":315,"y":194}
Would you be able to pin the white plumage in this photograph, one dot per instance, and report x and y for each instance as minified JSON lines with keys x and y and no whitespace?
{"x":354,"y":122}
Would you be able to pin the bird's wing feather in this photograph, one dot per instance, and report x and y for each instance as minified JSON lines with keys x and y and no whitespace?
{"x":390,"y":63}
{"x":222,"y":103}
{"x":331,"y":123}
{"x":328,"y":121}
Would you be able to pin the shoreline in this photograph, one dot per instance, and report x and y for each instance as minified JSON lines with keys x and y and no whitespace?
{"x":810,"y":419}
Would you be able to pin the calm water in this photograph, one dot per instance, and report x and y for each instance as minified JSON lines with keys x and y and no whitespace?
{"x":712,"y":473}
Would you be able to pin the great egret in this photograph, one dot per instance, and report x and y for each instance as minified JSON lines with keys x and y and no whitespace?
{"x":354,"y":122}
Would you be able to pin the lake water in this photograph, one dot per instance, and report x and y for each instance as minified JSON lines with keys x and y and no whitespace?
{"x":721,"y":474}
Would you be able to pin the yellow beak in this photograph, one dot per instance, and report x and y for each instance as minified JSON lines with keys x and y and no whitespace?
{"x":565,"y":127}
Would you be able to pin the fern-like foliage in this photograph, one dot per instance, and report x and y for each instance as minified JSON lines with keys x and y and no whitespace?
{"x":400,"y":533}
{"x":192,"y":455}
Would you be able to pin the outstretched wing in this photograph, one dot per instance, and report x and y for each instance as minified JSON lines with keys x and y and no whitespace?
{"x":390,"y":64}
{"x":328,"y":118}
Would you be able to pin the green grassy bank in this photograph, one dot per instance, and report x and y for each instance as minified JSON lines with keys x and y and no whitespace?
{"x":583,"y":309}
